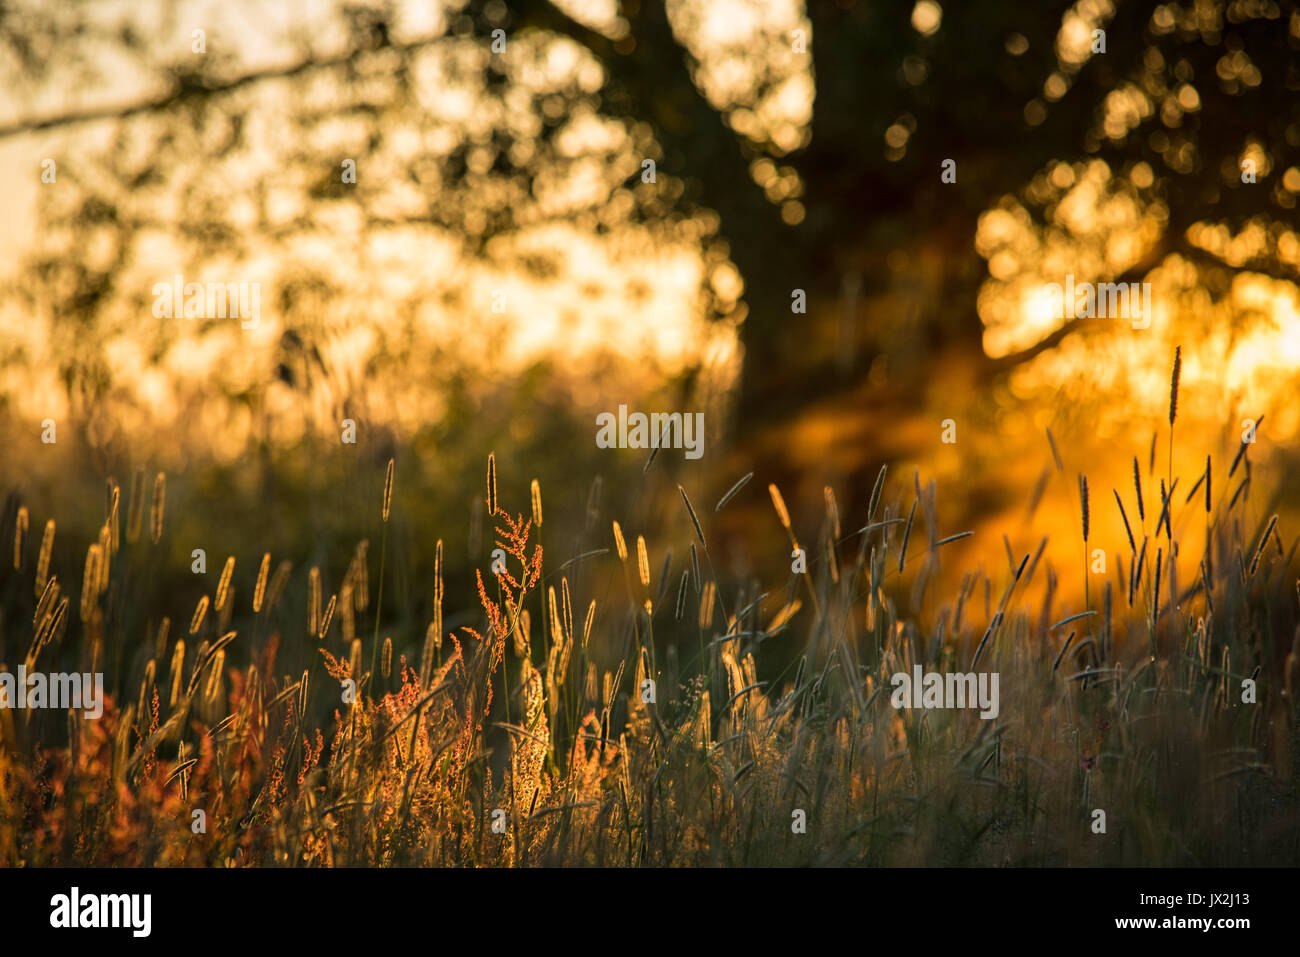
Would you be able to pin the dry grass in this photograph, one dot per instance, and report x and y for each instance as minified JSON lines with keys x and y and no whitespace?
{"x":1137,"y":710}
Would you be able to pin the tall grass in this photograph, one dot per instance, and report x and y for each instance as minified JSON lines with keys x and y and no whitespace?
{"x":660,"y":732}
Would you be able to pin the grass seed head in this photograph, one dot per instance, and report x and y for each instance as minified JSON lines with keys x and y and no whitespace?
{"x":157,"y":507}
{"x":388,"y":492}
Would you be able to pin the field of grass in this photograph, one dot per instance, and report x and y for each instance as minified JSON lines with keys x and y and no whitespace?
{"x":620,"y":706}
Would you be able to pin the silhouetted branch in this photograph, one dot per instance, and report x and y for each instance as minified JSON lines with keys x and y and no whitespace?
{"x":186,"y":87}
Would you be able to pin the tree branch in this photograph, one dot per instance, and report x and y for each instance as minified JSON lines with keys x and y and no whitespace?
{"x":185,"y":87}
{"x":1135,"y":273}
{"x":1169,"y":245}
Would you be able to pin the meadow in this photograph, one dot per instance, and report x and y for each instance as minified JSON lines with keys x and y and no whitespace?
{"x":581,"y":695}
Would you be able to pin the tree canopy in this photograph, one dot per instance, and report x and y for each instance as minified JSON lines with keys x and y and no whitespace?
{"x":793,"y":149}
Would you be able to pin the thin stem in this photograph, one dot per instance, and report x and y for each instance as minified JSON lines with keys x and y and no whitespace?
{"x":379,"y":600}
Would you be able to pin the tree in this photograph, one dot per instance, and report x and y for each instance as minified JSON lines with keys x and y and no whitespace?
{"x":1005,"y":91}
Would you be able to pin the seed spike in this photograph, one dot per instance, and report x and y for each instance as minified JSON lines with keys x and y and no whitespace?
{"x":907,"y":533}
{"x":1244,"y":445}
{"x":1128,"y":530}
{"x":778,"y":503}
{"x":200,"y":612}
{"x":43,"y":559}
{"x":1137,"y":487}
{"x":388,"y":491}
{"x":1173,"y":384}
{"x":325,"y":620}
{"x":259,"y":590}
{"x":643,"y":560}
{"x":732,"y":492}
{"x":875,"y":493}
{"x":1056,"y":455}
{"x":20,"y":537}
{"x":694,"y":519}
{"x":1083,"y":501}
{"x":586,"y":625}
{"x":1207,"y":485}
{"x":157,"y":507}
{"x":223,"y":584}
